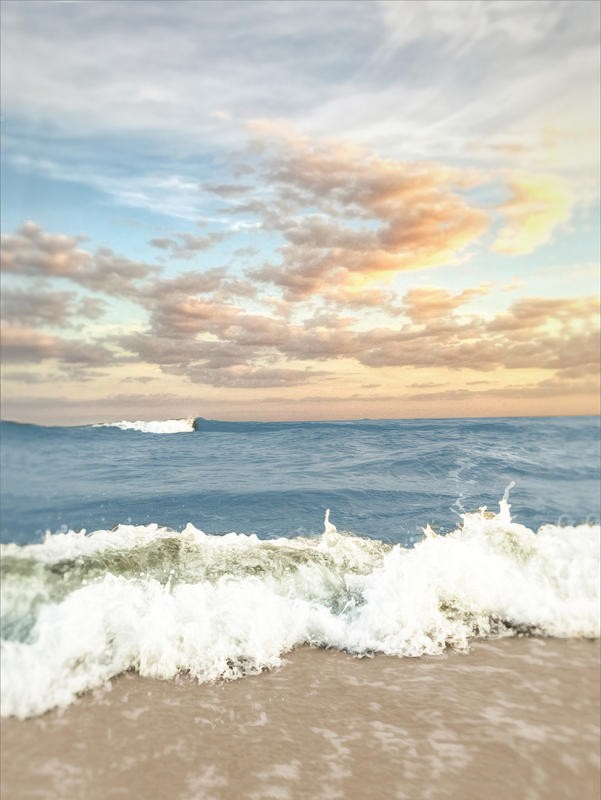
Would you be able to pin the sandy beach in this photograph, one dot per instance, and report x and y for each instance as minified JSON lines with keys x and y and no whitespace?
{"x":514,"y":718}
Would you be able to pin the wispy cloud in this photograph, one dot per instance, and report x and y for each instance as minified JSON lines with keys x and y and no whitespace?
{"x":407,"y":77}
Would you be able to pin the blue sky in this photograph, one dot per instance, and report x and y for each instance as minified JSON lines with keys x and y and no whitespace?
{"x":299,"y":210}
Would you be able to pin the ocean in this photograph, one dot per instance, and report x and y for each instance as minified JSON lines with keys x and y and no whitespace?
{"x":382,"y":479}
{"x":212,"y":549}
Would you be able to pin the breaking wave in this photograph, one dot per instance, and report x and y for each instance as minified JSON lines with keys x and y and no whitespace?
{"x":78,"y":609}
{"x":192,"y":424}
{"x":189,"y":425}
{"x":152,"y":426}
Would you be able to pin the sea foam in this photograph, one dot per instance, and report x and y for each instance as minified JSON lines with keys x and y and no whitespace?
{"x":78,"y":609}
{"x":151,"y":426}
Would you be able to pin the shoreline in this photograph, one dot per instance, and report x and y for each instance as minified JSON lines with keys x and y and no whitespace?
{"x":514,"y":718}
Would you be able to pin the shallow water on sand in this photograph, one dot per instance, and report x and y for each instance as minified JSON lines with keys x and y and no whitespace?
{"x":514,"y":718}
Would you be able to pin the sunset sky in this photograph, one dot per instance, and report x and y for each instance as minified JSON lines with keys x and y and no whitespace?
{"x":299,"y":210}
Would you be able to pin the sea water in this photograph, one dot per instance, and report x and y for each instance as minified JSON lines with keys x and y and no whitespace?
{"x":214,"y":548}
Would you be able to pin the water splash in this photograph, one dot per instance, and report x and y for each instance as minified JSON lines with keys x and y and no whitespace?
{"x":328,"y":527}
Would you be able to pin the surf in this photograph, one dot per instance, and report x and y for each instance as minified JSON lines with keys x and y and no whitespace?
{"x":80,"y":608}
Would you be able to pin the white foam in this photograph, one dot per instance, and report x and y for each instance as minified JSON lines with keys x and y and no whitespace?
{"x":258,"y":599}
{"x":151,"y":426}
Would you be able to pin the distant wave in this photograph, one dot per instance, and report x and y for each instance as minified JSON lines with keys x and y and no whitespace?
{"x":197,"y":424}
{"x":152,"y":426}
{"x":214,"y":425}
{"x":79,"y":609}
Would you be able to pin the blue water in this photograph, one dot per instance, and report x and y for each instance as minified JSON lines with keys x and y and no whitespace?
{"x":382,"y":479}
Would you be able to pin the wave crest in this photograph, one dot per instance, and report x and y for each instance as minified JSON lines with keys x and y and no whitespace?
{"x":151,"y":426}
{"x":79,"y":609}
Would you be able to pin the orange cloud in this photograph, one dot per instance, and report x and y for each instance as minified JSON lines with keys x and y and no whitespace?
{"x":349,"y":217}
{"x":353,"y":217}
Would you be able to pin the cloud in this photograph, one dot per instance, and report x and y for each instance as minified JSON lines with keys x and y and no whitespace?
{"x":406,"y":82}
{"x":507,"y":95}
{"x":246,"y":252}
{"x":198,"y":325}
{"x":235,"y":57}
{"x":21,"y":344}
{"x":43,"y":308}
{"x":409,"y":77}
{"x":430,"y":302}
{"x":140,"y":379}
{"x":551,"y":387}
{"x":198,"y":330}
{"x":34,"y":252}
{"x":192,"y":282}
{"x":533,"y":312}
{"x":538,"y":204}
{"x":227,"y":190}
{"x":363,"y":300}
{"x":561,"y":335}
{"x":214,"y":284}
{"x":91,"y":308}
{"x":251,"y":377}
{"x":375,"y":217}
{"x":186,"y":245}
{"x":31,"y":378}
{"x":235,"y":362}
{"x":205,"y":337}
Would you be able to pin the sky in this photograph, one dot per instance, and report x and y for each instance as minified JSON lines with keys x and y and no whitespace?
{"x":299,"y":210}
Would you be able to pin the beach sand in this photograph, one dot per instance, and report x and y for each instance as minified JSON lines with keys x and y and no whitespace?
{"x":514,"y":718}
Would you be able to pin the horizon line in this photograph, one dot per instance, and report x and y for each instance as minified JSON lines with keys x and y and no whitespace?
{"x":302,"y":421}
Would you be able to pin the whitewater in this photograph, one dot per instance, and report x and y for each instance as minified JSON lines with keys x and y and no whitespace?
{"x":209,"y":554}
{"x":151,"y":426}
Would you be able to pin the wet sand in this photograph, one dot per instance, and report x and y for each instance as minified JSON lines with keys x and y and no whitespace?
{"x":515,"y":719}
